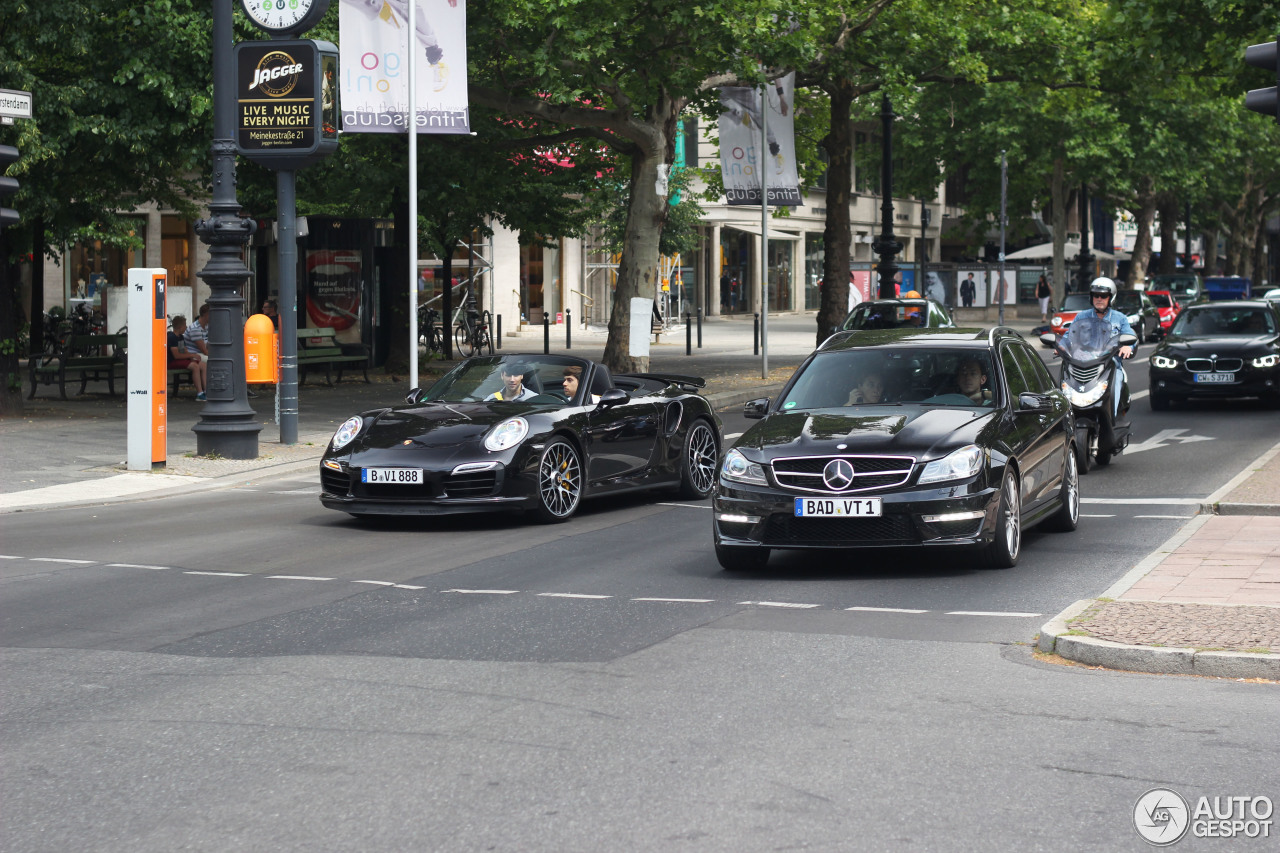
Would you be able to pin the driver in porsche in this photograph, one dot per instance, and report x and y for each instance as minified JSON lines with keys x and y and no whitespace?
{"x":513,"y":389}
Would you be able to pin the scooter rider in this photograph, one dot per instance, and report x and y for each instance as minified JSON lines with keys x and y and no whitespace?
{"x":1102,"y":292}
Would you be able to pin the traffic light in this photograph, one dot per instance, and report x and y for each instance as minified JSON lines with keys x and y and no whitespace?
{"x":8,"y":186}
{"x":1264,"y":100}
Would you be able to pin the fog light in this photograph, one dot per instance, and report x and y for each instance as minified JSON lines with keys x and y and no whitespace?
{"x":737,"y":519}
{"x":954,"y":516}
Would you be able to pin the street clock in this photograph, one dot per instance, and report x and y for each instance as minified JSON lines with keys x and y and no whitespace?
{"x":285,"y":17}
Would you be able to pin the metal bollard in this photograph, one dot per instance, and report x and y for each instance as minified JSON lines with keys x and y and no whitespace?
{"x":755,"y":334}
{"x":498,"y":338}
{"x":688,"y":334}
{"x":699,"y":327}
{"x":546,"y":333}
{"x":568,"y":329}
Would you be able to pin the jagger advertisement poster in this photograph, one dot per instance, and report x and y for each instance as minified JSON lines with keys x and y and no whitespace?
{"x":743,"y":157}
{"x":375,"y":66}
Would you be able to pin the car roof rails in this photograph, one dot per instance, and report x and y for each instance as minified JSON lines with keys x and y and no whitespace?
{"x":1002,"y":331}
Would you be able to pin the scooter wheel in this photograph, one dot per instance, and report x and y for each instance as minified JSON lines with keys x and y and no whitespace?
{"x":1084,"y":457}
{"x":1103,"y":458}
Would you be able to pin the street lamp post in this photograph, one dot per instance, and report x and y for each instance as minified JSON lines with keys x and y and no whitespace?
{"x":227,"y":425}
{"x":1085,"y":258}
{"x":886,"y":246}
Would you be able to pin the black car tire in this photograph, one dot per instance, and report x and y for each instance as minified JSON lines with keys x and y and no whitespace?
{"x":559,"y":486}
{"x":1159,"y":402}
{"x":1003,"y":551}
{"x":1067,"y":518}
{"x":738,"y":559}
{"x":698,"y":460}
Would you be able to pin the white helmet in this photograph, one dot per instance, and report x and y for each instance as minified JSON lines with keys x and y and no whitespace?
{"x":1102,"y":286}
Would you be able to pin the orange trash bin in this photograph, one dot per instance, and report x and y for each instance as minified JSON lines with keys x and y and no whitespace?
{"x":261,"y":350}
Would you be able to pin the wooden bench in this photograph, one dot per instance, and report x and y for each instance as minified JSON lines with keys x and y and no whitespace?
{"x":321,"y":348}
{"x":179,"y":376}
{"x":85,"y":357}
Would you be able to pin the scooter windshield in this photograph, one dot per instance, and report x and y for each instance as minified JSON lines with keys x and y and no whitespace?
{"x":1090,"y":338}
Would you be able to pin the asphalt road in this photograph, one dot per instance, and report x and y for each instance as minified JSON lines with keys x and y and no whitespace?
{"x":243,"y":669}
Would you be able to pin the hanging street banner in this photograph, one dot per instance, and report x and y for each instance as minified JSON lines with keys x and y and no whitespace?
{"x":375,"y":66}
{"x":741,"y":157}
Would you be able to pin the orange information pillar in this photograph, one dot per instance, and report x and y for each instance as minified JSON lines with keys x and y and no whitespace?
{"x":261,"y":350}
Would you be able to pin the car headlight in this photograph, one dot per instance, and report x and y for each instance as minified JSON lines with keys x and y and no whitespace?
{"x":1266,"y":361}
{"x":347,"y":432}
{"x":506,"y":434}
{"x":740,"y":469}
{"x":1134,"y":319}
{"x":1057,"y":321}
{"x":1165,"y":362}
{"x":1080,"y":399}
{"x":956,"y":465}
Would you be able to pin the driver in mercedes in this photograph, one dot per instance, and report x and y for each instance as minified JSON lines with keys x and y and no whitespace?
{"x":513,"y":388}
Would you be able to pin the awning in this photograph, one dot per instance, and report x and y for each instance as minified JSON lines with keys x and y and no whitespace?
{"x":754,"y":228}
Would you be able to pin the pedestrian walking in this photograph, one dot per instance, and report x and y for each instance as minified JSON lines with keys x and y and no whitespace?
{"x":1043,"y":292}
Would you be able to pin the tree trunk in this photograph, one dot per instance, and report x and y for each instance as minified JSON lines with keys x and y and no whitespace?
{"x":1142,"y":244}
{"x":837,"y":238}
{"x":1209,"y":257}
{"x":1169,"y":213}
{"x":638,"y":266}
{"x":1058,"y":202}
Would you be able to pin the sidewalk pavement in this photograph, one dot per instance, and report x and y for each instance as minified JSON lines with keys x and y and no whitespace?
{"x":1207,"y":602}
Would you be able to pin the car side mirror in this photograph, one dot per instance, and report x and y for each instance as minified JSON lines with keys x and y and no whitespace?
{"x":756,"y":409}
{"x":1049,"y":339}
{"x":414,"y":395}
{"x":613,"y":397}
{"x":1029,"y":402}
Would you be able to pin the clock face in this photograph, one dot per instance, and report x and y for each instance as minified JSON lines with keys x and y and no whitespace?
{"x":285,"y":16}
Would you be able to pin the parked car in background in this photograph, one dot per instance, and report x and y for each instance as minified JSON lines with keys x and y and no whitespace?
{"x":1219,"y":350}
{"x":1187,"y":286}
{"x":1272,"y":295}
{"x":925,"y":438}
{"x":1167,"y":306}
{"x":1223,"y":287}
{"x":1073,"y":304}
{"x":1141,"y":311}
{"x":898,"y":314}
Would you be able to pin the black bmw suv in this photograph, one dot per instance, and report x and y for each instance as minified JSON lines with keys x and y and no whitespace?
{"x":898,"y":438}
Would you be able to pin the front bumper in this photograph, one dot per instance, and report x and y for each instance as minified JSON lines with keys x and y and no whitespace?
{"x":763,"y":516}
{"x":495,"y":489}
{"x":1249,"y":381}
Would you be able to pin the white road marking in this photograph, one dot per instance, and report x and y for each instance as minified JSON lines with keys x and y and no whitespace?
{"x":886,"y":610}
{"x":220,"y":574}
{"x":1145,"y":501}
{"x":730,"y":436}
{"x":780,"y":604}
{"x":1087,"y":515}
{"x":679,"y":600}
{"x":1164,"y":436}
{"x":10,"y":557}
{"x":570,"y":595}
{"x":377,"y":583}
{"x":56,"y":560}
{"x":992,"y":613}
{"x":483,"y":591}
{"x":406,"y":586}
{"x":1164,"y":516}
{"x":295,"y":578}
{"x":136,"y":566}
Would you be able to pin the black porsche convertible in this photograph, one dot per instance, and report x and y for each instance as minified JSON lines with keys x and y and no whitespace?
{"x":524,"y":432}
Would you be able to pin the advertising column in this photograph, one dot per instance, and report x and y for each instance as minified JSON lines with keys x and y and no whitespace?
{"x":148,"y":409}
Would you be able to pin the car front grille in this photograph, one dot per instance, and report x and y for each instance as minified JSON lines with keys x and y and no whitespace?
{"x":1214,"y":365}
{"x":334,"y":482}
{"x":783,"y":530}
{"x":1084,"y":374}
{"x":804,"y":473}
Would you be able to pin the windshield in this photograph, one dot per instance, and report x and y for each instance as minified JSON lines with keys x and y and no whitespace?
{"x":863,"y":378}
{"x":896,"y":314}
{"x":1160,"y":300}
{"x":1076,"y":302}
{"x":1128,"y":302}
{"x":1218,"y":321}
{"x":1183,"y":285}
{"x":1090,"y":337}
{"x":515,"y":378}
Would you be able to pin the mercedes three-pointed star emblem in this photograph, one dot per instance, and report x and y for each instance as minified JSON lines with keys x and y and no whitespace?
{"x":838,"y":475}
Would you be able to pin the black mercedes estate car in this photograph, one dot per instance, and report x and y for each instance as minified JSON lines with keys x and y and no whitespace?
{"x":899,"y":438}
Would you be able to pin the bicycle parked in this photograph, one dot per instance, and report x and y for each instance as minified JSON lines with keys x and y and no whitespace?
{"x":429,"y":334}
{"x":472,"y":334}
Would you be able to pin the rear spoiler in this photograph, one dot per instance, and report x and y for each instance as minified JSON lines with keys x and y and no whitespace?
{"x":674,"y":379}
